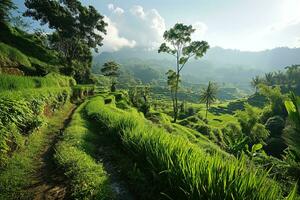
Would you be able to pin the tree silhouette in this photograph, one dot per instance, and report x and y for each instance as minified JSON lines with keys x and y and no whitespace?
{"x":255,"y":82}
{"x":78,"y":29}
{"x":111,"y":70}
{"x":5,"y":7}
{"x":208,"y":96}
{"x":269,"y":78}
{"x":179,"y":44}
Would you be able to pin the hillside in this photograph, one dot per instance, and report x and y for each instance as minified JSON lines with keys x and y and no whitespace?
{"x":221,"y":65}
{"x":26,"y":52}
{"x":182,"y":121}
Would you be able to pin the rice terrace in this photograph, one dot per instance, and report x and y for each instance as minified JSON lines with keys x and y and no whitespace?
{"x":128,"y":100}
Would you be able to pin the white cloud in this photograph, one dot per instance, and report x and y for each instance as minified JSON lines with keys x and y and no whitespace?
{"x":111,"y":6}
{"x":201,"y":29}
{"x":119,"y":11}
{"x":297,"y":42}
{"x":113,"y":41}
{"x":138,"y":11}
{"x":145,"y":27}
{"x":115,"y":10}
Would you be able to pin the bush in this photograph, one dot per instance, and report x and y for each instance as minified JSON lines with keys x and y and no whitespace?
{"x":275,"y":146}
{"x":82,"y":91}
{"x":23,"y":106}
{"x":108,"y":100}
{"x":275,"y":125}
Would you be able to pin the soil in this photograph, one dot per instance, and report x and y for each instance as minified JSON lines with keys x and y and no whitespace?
{"x":50,"y":182}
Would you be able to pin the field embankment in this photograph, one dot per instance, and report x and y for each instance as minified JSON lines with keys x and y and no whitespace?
{"x":177,"y":168}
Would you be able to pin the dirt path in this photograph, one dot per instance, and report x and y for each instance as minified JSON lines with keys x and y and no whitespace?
{"x":49,"y":181}
{"x":114,"y":161}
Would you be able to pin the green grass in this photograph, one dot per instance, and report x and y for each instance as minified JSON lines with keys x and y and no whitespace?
{"x":181,"y":169}
{"x":12,"y":57}
{"x":19,"y":170}
{"x":16,"y":83}
{"x":81,"y":91}
{"x":28,"y":44}
{"x":26,"y":52}
{"x":24,"y":102}
{"x":88,"y":179}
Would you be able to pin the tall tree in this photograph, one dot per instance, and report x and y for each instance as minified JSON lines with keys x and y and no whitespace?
{"x":179,"y":44}
{"x":255,"y":82}
{"x":269,"y":78}
{"x":78,"y":29}
{"x":5,"y":7}
{"x":172,"y":79}
{"x":209,"y":95}
{"x":111,"y":70}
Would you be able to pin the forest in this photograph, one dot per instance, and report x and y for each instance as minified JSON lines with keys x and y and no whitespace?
{"x":77,"y":122}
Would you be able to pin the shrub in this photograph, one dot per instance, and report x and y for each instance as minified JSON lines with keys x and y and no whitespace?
{"x":23,"y":106}
{"x":275,"y":125}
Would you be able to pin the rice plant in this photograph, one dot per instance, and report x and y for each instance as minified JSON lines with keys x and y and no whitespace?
{"x":181,"y":169}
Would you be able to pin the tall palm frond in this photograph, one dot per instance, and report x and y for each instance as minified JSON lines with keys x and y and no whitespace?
{"x":209,"y":95}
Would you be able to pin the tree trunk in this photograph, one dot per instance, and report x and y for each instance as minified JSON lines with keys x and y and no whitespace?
{"x":176,"y":99}
{"x":173,"y":103}
{"x":206,"y":112}
{"x":176,"y":89}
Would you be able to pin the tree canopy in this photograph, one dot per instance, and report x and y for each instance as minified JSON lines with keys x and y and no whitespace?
{"x":78,"y":29}
{"x":111,"y":70}
{"x":178,"y":43}
{"x":5,"y":7}
{"x":209,"y":95}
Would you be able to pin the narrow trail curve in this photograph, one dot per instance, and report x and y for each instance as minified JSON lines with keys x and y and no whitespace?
{"x":111,"y":157}
{"x":50,"y":182}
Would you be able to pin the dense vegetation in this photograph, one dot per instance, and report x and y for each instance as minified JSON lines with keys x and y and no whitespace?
{"x":137,"y":125}
{"x":24,"y":102}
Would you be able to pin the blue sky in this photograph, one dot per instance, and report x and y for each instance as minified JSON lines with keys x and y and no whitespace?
{"x":251,"y":25}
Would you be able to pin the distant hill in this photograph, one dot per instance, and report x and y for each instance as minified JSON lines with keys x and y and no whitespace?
{"x":221,"y":65}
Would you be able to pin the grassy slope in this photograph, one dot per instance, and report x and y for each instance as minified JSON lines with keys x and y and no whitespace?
{"x":199,"y":175}
{"x":17,"y":175}
{"x":26,"y":52}
{"x":88,"y":179}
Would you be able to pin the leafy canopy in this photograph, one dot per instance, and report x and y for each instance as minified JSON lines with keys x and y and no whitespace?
{"x":110,"y":69}
{"x":5,"y":7}
{"x":209,"y":94}
{"x":172,"y":76}
{"x":70,"y":19}
{"x":78,"y":29}
{"x":179,"y":44}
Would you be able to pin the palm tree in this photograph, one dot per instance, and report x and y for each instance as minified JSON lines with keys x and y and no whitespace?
{"x":208,"y":95}
{"x":280,"y":77}
{"x":255,"y":82}
{"x":269,"y":78}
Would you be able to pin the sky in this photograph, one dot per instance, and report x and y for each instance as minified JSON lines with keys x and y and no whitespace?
{"x":247,"y":25}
